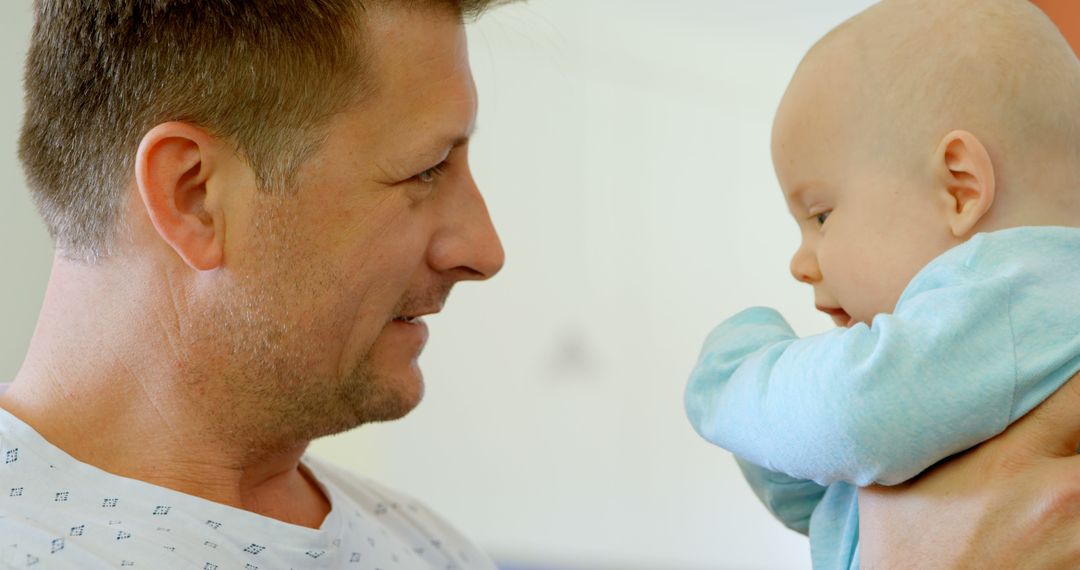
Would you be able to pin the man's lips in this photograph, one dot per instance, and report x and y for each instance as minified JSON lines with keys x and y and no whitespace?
{"x":413,"y":317}
{"x":409,"y":320}
{"x":839,"y":316}
{"x":410,"y":314}
{"x":413,"y":327}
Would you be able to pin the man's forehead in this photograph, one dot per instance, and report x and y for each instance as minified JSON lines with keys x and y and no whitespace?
{"x":441,"y":116}
{"x":425,"y":93}
{"x":405,"y":40}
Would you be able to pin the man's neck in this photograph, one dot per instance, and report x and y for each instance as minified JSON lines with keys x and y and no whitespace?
{"x":145,"y":446}
{"x":121,"y":385}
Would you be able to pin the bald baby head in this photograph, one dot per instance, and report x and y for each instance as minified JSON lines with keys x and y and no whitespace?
{"x":890,"y":85}
{"x":916,"y":125}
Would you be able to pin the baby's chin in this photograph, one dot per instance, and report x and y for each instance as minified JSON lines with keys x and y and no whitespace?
{"x":853,"y":320}
{"x":842,"y":319}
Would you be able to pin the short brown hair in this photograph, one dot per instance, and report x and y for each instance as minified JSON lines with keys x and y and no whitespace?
{"x":99,"y":74}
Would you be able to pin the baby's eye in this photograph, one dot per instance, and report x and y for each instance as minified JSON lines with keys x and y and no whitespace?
{"x":822,"y":217}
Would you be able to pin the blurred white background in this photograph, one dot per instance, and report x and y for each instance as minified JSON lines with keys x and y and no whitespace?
{"x":623,"y":148}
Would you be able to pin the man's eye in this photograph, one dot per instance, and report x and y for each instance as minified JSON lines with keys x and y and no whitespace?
{"x":822,"y":217}
{"x":432,"y":174}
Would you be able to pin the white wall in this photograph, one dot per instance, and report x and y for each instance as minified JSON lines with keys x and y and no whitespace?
{"x":25,"y":249}
{"x":623,"y":149}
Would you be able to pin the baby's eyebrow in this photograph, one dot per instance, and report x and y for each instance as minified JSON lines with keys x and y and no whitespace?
{"x":794,"y":196}
{"x":816,"y":186}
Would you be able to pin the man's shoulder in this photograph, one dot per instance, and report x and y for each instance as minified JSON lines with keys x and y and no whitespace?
{"x":405,"y":515}
{"x":26,"y":543}
{"x":366,"y":493}
{"x":329,"y":473}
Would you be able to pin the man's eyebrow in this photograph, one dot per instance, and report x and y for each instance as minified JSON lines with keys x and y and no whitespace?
{"x":441,"y":145}
{"x":464,"y":138}
{"x":456,"y":140}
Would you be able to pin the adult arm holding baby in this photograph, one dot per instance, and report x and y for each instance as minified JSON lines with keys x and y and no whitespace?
{"x":1012,"y":502}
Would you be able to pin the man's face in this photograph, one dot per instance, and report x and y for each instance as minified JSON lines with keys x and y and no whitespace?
{"x":329,"y":283}
{"x":868,"y":221}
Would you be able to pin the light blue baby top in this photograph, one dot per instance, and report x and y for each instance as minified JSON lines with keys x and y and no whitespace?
{"x":980,"y":336}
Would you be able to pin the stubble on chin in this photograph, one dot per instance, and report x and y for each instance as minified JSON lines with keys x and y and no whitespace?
{"x":266,"y":394}
{"x":261,"y":370}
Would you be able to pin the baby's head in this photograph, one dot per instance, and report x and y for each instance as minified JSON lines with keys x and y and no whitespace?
{"x":912,"y":127}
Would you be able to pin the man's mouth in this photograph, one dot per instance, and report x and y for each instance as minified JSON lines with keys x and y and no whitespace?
{"x":409,"y":320}
{"x":412,"y":313}
{"x":838,"y":315}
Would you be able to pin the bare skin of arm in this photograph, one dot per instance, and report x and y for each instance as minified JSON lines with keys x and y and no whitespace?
{"x":1012,"y":502}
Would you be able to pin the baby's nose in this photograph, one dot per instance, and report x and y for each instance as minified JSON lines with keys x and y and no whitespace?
{"x":804,"y":267}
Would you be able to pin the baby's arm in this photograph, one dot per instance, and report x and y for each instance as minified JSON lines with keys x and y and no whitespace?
{"x":790,"y":500}
{"x":866,"y":404}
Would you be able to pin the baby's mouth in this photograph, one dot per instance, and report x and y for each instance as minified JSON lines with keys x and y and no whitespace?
{"x":838,"y":315}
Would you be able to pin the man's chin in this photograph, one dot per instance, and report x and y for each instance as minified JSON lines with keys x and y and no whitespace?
{"x":388,"y":397}
{"x":364,"y":396}
{"x":405,"y":403}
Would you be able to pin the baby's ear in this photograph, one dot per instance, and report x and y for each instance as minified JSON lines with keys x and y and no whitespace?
{"x":967,"y":173}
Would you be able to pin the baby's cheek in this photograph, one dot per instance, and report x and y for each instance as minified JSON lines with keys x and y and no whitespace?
{"x":885,"y":291}
{"x":836,"y":267}
{"x":853,"y":279}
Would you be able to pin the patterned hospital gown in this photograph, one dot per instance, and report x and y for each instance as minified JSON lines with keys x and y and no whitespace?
{"x":58,"y":513}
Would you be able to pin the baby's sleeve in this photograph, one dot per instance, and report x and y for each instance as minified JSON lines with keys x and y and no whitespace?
{"x":790,"y":500}
{"x":866,"y":404}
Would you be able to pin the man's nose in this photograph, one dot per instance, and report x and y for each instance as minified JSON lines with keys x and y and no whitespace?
{"x":467,"y":247}
{"x":804,"y":266}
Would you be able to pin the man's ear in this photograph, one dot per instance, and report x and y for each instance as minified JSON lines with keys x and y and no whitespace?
{"x":173,"y":164}
{"x":967,"y":175}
